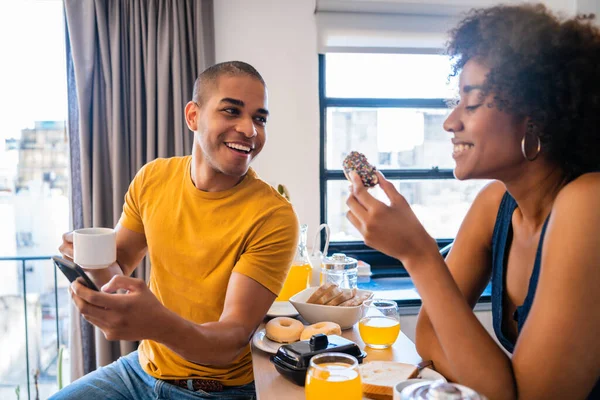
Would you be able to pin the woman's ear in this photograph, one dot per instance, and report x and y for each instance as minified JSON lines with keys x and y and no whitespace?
{"x":191,"y":115}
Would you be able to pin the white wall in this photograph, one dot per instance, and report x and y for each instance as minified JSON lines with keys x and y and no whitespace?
{"x":278,"y":37}
{"x":436,"y":7}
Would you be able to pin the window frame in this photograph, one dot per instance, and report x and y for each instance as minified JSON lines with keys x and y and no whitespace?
{"x":382,"y":265}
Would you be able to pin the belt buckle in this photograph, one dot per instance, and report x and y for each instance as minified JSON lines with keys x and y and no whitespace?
{"x":206,"y":385}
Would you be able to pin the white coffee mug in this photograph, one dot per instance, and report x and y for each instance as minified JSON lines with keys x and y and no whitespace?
{"x":94,"y":248}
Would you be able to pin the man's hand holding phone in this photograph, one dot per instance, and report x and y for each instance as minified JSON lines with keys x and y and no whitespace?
{"x":135,"y":314}
{"x":123,"y":308}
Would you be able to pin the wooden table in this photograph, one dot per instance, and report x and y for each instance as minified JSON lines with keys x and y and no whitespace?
{"x":271,"y":385}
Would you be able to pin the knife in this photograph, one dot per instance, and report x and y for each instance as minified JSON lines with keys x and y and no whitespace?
{"x":424,"y":364}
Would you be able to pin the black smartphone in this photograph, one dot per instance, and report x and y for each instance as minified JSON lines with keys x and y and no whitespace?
{"x":73,"y":271}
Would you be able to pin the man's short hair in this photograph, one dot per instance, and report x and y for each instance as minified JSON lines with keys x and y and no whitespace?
{"x":208,"y":78}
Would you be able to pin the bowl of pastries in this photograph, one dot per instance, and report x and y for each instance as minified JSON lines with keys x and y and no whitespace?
{"x":329,"y":302}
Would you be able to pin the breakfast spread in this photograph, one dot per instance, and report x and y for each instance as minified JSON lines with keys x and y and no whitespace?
{"x":357,"y":162}
{"x":329,"y":294}
{"x":326,"y":328}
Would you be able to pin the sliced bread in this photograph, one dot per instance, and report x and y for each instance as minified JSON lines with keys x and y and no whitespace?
{"x":380,"y":377}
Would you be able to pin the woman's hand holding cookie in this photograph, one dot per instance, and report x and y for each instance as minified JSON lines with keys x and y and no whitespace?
{"x":393,"y":229}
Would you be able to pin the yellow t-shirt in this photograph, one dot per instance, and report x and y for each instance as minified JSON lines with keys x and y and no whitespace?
{"x":195,"y":241}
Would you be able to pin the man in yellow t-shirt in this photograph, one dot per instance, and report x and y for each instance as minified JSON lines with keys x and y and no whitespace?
{"x":220,"y":242}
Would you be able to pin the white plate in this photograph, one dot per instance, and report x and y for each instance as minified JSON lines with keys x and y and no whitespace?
{"x":282,"y":309}
{"x":261,"y":341}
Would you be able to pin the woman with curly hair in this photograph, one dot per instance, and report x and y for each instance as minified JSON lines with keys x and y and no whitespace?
{"x":529,"y":118}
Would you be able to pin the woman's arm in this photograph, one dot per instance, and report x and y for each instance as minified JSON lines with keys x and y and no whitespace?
{"x":469,"y":263}
{"x":557,"y":354}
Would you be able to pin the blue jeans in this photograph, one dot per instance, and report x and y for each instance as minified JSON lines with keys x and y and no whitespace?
{"x":125,"y":379}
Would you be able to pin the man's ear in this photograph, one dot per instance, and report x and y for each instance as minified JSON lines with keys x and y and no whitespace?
{"x":191,"y":116}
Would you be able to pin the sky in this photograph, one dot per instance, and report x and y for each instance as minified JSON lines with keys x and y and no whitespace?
{"x":32,"y":64}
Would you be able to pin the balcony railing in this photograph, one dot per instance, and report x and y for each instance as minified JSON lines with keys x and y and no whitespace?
{"x":26,"y":268}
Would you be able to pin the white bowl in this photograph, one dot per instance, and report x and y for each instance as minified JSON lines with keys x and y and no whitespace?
{"x":345,"y":317}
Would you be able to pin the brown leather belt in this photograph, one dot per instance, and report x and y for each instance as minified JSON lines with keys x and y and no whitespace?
{"x":206,"y":385}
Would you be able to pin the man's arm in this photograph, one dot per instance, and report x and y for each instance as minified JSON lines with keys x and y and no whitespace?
{"x":138,"y":315}
{"x":253,"y":284}
{"x":131,"y":249}
{"x":220,"y":343}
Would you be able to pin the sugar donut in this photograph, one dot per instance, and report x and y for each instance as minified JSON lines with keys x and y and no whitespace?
{"x":356,"y":161}
{"x":284,"y":329}
{"x":328,"y":328}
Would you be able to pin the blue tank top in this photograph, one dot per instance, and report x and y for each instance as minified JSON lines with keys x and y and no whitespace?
{"x":502,"y":234}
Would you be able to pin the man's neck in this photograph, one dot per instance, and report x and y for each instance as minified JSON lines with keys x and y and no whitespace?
{"x":206,"y":179}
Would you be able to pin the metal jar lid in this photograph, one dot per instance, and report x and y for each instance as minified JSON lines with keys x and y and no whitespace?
{"x":439,"y":391}
{"x":339,"y":262}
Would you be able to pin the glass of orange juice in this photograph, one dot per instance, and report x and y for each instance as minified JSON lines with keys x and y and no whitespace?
{"x":333,"y":376}
{"x":380,"y":325}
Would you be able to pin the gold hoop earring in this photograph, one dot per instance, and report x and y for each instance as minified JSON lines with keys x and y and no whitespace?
{"x":537,"y":152}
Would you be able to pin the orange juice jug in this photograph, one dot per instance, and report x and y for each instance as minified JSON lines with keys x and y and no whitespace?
{"x":298,"y":277}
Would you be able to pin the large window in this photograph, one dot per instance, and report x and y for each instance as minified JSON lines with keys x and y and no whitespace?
{"x":34,"y":199}
{"x":390,"y":107}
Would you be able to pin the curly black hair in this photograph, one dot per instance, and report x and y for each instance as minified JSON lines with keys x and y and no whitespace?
{"x":541,"y":67}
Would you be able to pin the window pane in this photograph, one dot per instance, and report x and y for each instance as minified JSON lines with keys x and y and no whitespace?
{"x":394,"y":76}
{"x":440,"y":205}
{"x":34,"y":196}
{"x":391,"y":138}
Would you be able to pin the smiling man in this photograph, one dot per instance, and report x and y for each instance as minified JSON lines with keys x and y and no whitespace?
{"x":220,"y":242}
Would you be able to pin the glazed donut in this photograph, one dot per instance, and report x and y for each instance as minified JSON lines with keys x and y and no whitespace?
{"x":284,"y":329}
{"x":356,"y":161}
{"x":328,"y":328}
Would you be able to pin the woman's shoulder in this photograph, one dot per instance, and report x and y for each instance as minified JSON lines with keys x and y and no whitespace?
{"x":580,"y":191}
{"x":489,"y":198}
{"x":575,"y":217}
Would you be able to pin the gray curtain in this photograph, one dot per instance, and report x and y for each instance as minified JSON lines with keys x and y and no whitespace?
{"x":131,"y":66}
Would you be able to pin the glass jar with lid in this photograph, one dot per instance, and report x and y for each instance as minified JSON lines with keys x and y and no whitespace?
{"x":341,"y":270}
